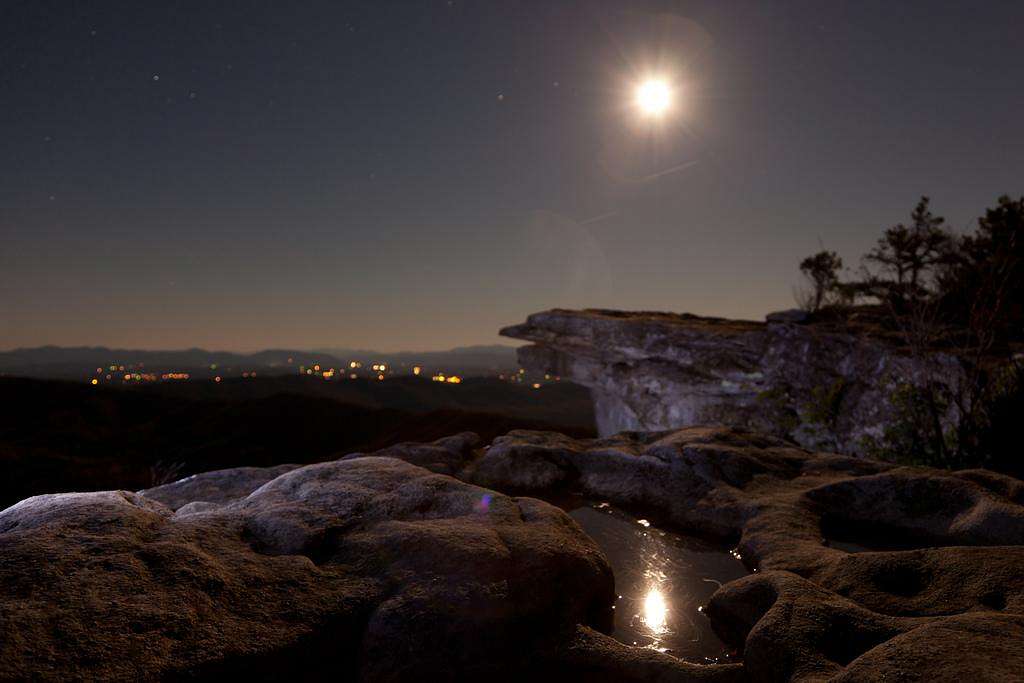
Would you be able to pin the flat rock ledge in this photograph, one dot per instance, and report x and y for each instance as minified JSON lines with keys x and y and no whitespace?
{"x":825,"y":386}
{"x":408,"y":564}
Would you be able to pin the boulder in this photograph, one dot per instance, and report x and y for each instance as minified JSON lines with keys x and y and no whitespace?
{"x":219,"y":486}
{"x":369,"y":569}
{"x":448,"y":455}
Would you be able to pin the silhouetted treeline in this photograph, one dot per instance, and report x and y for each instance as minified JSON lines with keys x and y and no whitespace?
{"x":943,"y":292}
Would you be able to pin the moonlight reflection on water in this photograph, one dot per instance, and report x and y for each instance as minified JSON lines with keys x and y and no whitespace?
{"x":662,"y":581}
{"x":655,"y":612}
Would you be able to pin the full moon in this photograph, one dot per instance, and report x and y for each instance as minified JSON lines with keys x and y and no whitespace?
{"x":654,"y":97}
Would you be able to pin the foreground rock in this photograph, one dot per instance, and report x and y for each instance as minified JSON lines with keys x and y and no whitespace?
{"x":370,"y":568}
{"x":373,"y":568}
{"x":826,"y":387}
{"x":948,"y":606}
{"x":210,"y":489}
{"x":449,"y":455}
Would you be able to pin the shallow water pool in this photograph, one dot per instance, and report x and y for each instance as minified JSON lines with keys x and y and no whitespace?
{"x":662,"y":581}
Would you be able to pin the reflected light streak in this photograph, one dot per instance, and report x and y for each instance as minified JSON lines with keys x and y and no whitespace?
{"x":656,"y":611}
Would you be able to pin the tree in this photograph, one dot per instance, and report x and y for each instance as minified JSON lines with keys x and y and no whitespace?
{"x":822,"y":272}
{"x":948,"y":297}
{"x":982,"y":283}
{"x":908,"y":256}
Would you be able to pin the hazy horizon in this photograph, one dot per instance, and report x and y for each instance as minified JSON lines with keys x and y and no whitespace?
{"x":325,"y":349}
{"x":419,"y":175}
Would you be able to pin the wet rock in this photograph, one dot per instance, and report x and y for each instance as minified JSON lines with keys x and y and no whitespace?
{"x":370,"y":569}
{"x":593,"y":656}
{"x":927,"y":553}
{"x":825,"y":386}
{"x":374,"y":568}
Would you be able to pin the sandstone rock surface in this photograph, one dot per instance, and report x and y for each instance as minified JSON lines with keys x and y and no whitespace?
{"x":367,"y":569}
{"x":373,"y":568}
{"x":217,"y":487}
{"x":939,"y":570}
{"x":827,"y":388}
{"x":449,"y":455}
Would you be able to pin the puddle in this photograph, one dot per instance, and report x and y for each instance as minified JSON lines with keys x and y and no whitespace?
{"x":662,"y":581}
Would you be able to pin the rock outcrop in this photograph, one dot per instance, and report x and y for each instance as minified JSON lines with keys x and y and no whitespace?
{"x":948,"y":605}
{"x":217,"y":487}
{"x":373,"y":568}
{"x":826,"y":387}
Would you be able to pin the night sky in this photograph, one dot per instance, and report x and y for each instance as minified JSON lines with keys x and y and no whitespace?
{"x":414,"y":175}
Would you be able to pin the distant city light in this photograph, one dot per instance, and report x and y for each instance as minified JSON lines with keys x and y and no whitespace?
{"x":174,"y":376}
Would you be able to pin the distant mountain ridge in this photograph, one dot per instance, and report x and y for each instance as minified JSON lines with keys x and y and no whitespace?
{"x":61,"y":361}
